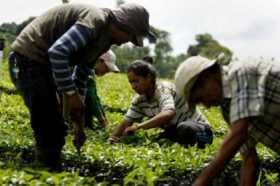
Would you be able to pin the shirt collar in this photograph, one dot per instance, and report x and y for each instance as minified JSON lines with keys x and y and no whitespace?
{"x":156,"y":93}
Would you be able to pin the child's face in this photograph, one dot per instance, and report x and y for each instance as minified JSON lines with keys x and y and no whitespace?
{"x":141,"y":85}
{"x":101,"y":67}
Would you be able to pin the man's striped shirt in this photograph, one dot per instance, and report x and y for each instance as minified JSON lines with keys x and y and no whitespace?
{"x":59,"y":54}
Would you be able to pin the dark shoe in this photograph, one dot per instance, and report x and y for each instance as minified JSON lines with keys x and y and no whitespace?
{"x":49,"y":159}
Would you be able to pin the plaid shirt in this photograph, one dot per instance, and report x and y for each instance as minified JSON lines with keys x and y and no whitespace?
{"x":165,"y":98}
{"x":252,"y":90}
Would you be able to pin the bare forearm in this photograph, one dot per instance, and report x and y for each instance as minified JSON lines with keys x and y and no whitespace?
{"x":228,"y":149}
{"x":221,"y":158}
{"x":119,"y":130}
{"x":158,"y":120}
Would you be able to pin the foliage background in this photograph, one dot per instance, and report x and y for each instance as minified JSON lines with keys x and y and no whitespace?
{"x":137,"y":160}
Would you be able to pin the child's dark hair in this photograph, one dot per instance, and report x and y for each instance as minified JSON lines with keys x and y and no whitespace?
{"x":143,"y":69}
{"x":148,"y":59}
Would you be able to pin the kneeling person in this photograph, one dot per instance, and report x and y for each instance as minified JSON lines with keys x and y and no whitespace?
{"x":159,"y":102}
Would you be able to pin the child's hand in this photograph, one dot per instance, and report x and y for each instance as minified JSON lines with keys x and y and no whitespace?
{"x":113,"y":139}
{"x":131,"y":129}
{"x":103,"y":122}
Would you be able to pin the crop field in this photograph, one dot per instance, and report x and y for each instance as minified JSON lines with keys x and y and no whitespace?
{"x":140,"y":159}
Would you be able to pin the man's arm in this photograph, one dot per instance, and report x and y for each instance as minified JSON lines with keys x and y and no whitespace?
{"x":59,"y":54}
{"x":237,"y":136}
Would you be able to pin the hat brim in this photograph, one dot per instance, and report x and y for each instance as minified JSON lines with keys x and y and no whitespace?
{"x":192,"y":81}
{"x":112,"y":67}
{"x":138,"y":41}
{"x":151,"y":37}
{"x":187,"y":92}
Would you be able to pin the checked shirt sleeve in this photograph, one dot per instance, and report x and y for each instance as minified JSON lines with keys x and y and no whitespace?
{"x":166,"y":99}
{"x":247,"y":94}
{"x":59,"y":54}
{"x":134,"y":112}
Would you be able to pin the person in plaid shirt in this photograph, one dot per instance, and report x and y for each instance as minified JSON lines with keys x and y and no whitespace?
{"x":248,"y":93}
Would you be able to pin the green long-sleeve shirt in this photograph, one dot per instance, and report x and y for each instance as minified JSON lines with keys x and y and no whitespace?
{"x":93,"y":103}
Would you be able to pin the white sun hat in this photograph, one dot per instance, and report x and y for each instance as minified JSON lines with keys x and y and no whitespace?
{"x":188,"y":72}
{"x":110,"y":60}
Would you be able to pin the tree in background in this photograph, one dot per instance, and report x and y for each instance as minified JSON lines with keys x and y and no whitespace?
{"x":208,"y":47}
{"x":126,"y":54}
{"x":120,"y":2}
{"x":10,"y":28}
{"x":163,"y":47}
{"x":165,"y":62}
{"x":8,"y":31}
{"x":65,"y":1}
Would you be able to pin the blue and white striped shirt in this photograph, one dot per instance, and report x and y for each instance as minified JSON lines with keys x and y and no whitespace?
{"x":59,"y":54}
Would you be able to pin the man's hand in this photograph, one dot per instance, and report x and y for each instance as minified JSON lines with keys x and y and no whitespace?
{"x":79,"y":139}
{"x":76,"y":107}
{"x":79,"y":134}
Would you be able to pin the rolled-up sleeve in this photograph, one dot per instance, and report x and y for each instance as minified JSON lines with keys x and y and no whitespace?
{"x":166,"y":101}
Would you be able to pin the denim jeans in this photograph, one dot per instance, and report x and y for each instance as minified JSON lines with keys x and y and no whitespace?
{"x":39,"y":94}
